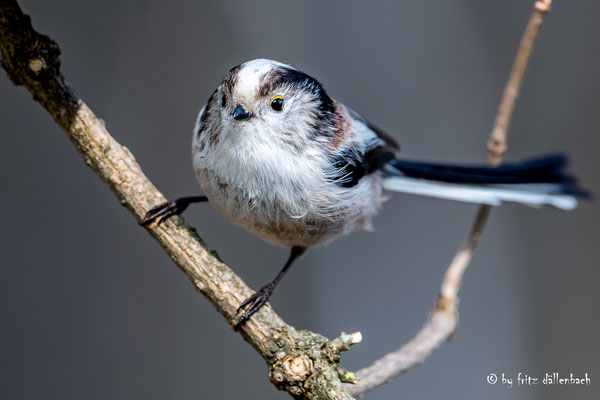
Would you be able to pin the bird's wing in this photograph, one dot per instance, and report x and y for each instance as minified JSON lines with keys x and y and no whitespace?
{"x":386,"y":137}
{"x":367,"y":150}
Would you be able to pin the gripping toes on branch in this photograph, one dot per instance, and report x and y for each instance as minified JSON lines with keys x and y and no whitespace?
{"x":258,"y":299}
{"x":254,"y":303}
{"x":170,"y":208}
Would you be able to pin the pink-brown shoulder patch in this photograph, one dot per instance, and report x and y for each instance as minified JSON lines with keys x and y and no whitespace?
{"x":342,"y":127}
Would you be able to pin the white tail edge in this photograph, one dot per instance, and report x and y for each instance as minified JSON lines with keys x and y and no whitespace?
{"x":534,"y":195}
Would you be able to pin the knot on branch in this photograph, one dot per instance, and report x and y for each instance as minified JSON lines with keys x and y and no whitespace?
{"x":26,"y":54}
{"x":496,"y":146}
{"x":309,"y":362}
{"x":445,"y":305}
{"x":33,"y":60}
{"x":289,"y":372}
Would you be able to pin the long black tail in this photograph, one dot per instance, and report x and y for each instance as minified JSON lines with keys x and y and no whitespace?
{"x":535,"y":182}
{"x":546,"y":169}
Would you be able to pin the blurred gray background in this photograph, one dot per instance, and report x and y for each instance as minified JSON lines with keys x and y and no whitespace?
{"x":91,"y":307}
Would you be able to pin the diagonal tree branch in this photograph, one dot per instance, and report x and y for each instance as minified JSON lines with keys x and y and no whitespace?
{"x":443,"y":320}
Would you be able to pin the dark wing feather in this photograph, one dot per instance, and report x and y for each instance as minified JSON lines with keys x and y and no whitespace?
{"x":350,"y":166}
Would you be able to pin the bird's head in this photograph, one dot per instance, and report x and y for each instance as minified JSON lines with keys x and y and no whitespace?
{"x":268,"y":100}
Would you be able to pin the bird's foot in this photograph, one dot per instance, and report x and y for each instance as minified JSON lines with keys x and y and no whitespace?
{"x":254,"y":303}
{"x":165,"y":210}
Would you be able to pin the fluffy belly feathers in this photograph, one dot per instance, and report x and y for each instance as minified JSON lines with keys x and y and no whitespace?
{"x":306,"y":219}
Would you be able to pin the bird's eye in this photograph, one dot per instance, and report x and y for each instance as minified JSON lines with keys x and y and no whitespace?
{"x":277,"y":103}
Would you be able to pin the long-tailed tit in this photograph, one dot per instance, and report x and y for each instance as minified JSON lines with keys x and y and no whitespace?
{"x":276,"y":155}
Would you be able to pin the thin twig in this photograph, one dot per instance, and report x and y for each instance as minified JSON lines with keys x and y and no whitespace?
{"x":443,"y":320}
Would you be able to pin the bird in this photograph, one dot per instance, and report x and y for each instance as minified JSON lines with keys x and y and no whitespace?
{"x":276,"y":155}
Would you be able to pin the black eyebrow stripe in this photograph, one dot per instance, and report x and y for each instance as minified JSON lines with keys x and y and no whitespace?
{"x":290,"y":77}
{"x":230,"y":79}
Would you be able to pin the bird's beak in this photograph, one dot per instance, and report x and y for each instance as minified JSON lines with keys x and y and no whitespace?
{"x":239,"y":114}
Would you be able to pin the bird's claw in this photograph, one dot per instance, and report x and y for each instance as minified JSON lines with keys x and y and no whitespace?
{"x":163,"y":211}
{"x":254,"y":303}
